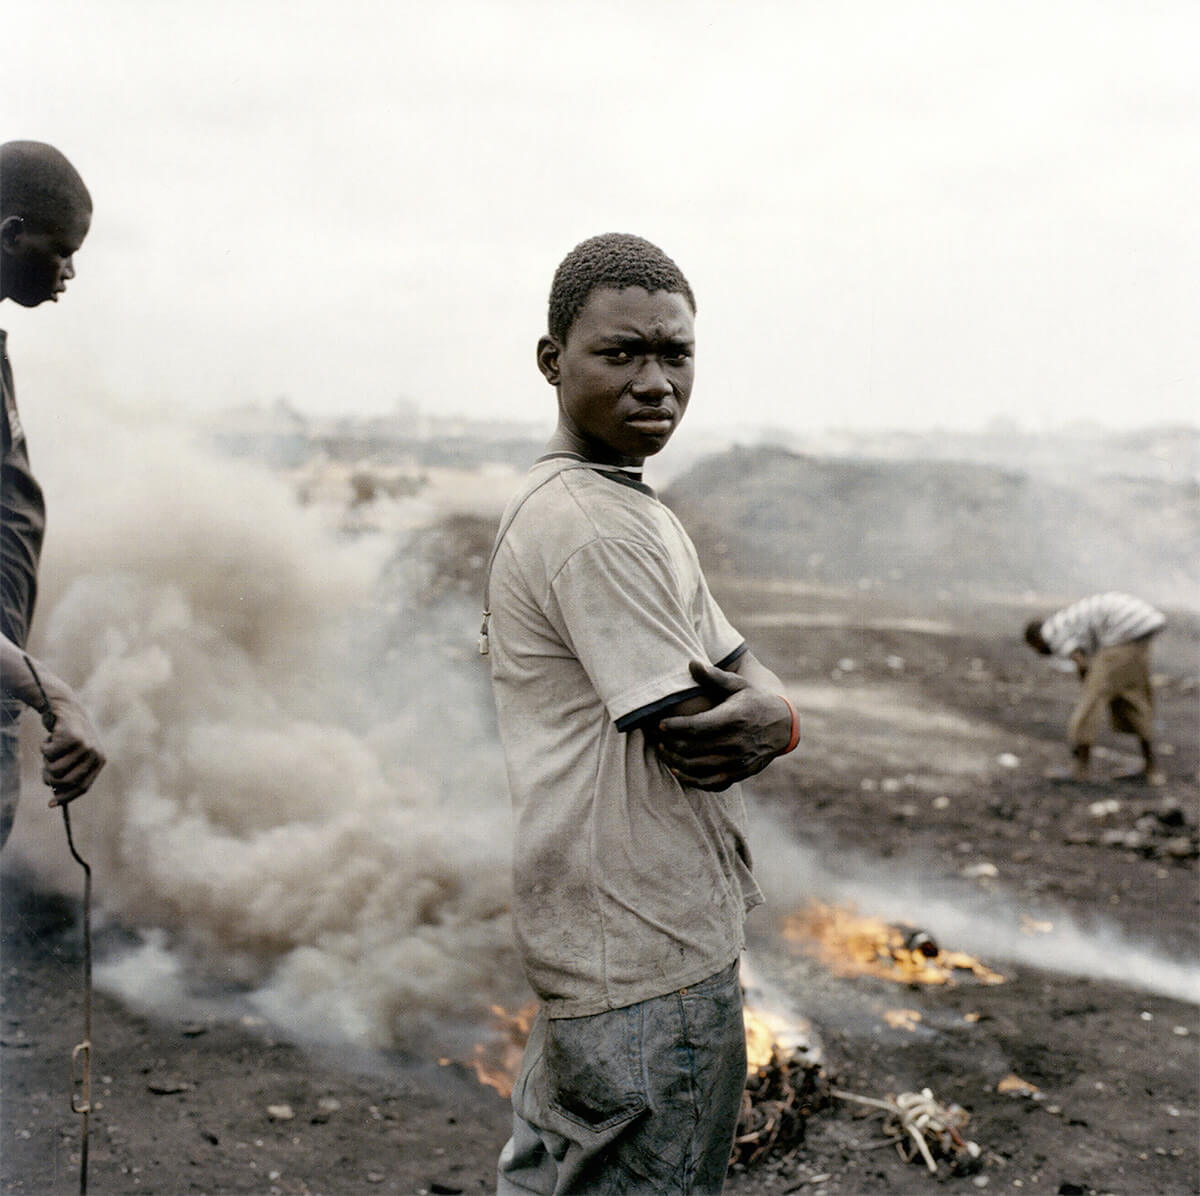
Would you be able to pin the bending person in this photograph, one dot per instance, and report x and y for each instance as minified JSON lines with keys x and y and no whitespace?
{"x":1107,"y":637}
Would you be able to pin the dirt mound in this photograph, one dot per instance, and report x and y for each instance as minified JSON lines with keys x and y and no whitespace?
{"x":939,"y":525}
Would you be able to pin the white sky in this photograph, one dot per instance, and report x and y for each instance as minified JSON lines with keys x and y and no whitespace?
{"x":892,"y":213}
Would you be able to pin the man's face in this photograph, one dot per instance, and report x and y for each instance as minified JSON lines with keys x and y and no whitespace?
{"x":624,"y":375}
{"x":36,"y":261}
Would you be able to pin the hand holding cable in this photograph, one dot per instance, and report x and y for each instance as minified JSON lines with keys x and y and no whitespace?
{"x":71,"y":754}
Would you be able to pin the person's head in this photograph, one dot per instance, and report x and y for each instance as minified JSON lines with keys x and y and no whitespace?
{"x":45,"y":213}
{"x":1033,"y":637}
{"x":619,"y":348}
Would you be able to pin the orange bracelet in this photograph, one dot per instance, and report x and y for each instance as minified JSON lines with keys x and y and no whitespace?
{"x":794,"y":738}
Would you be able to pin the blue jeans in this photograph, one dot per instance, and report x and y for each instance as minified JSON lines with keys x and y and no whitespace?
{"x":643,"y":1099}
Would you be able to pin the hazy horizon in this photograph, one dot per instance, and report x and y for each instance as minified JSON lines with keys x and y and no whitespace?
{"x":932,"y":215}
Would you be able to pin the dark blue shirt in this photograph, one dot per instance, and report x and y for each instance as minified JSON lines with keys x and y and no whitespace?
{"x":22,"y":517}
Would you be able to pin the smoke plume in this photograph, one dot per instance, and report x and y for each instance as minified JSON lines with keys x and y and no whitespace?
{"x":304,"y":801}
{"x":965,"y":918}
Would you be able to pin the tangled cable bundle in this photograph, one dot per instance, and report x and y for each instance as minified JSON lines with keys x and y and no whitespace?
{"x":917,"y":1123}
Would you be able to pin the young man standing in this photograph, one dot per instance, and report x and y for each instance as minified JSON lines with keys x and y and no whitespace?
{"x":628,"y":709}
{"x":45,"y":212}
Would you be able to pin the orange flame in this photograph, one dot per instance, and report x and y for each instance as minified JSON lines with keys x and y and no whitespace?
{"x":902,"y":1019}
{"x":770,"y":1033}
{"x":853,"y":945}
{"x":773,"y":1030}
{"x":497,"y":1062}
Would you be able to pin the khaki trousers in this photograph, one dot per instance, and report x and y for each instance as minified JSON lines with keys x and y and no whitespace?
{"x":1118,"y":680}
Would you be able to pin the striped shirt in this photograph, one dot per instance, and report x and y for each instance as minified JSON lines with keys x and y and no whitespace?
{"x":1101,"y":621}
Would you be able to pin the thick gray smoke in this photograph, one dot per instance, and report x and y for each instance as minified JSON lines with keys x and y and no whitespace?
{"x":304,"y":798}
{"x":305,"y":803}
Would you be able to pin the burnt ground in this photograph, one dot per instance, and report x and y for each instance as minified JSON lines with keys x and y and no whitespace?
{"x":901,"y":771}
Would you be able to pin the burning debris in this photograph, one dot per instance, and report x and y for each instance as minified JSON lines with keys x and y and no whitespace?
{"x":772,"y":1028}
{"x":497,"y":1061}
{"x":902,"y":1019}
{"x":853,"y":945}
{"x":784,"y":1082}
{"x":780,"y":1096}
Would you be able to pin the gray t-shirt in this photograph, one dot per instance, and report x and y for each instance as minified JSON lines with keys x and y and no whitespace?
{"x":627,"y":885}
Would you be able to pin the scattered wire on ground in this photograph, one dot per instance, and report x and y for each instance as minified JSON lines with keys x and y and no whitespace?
{"x":918,"y":1124}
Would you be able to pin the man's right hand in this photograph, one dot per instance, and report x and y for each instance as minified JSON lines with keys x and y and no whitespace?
{"x":71,"y":755}
{"x":744,"y":728}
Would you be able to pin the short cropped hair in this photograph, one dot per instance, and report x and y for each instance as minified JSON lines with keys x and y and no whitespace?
{"x":38,"y":184}
{"x":1033,"y":636}
{"x":615,"y":260}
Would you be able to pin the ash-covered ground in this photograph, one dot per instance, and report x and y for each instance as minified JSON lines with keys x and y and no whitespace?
{"x":918,"y":795}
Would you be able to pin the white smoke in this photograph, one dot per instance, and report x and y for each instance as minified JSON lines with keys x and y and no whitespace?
{"x":303,"y":790}
{"x":962,"y":917}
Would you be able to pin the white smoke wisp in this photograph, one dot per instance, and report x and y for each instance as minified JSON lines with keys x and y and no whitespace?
{"x":277,"y":712}
{"x":988,"y":924}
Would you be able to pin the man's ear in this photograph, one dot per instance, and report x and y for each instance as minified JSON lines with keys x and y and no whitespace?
{"x":548,"y":350}
{"x":11,"y":230}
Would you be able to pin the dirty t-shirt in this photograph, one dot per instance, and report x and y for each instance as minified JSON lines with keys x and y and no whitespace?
{"x":1101,"y":621}
{"x":627,"y":885}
